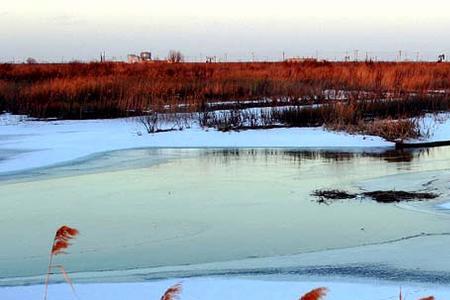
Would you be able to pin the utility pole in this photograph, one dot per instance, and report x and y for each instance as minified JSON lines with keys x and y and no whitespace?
{"x":102,"y":56}
{"x":284,"y":56}
{"x":356,"y":55}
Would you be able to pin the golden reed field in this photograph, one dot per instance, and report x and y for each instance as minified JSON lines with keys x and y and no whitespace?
{"x":87,"y":90}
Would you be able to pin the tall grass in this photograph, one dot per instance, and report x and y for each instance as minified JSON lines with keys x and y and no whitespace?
{"x":78,"y":90}
{"x":396,"y":119}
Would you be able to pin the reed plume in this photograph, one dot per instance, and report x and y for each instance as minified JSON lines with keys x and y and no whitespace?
{"x":427,"y":298}
{"x":61,"y":242}
{"x":173,"y":292}
{"x":315,"y":294}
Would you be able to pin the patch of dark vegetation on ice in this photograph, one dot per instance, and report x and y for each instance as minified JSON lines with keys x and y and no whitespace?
{"x":324,"y":196}
{"x":399,"y":196}
{"x":388,"y":196}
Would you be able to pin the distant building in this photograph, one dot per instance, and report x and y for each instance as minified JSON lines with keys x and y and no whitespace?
{"x":211,"y":59}
{"x":146,"y":56}
{"x":133,"y":58}
{"x":297,"y":59}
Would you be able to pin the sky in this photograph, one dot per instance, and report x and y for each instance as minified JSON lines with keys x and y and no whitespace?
{"x":62,"y":30}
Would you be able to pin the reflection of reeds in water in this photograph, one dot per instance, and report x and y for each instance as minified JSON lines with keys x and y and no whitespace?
{"x":226,"y":156}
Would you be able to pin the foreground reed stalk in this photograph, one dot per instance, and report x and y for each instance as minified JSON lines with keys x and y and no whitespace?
{"x":315,"y":294}
{"x":173,"y":292}
{"x":60,"y":243}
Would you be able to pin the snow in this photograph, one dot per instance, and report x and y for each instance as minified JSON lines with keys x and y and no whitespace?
{"x":26,"y":144}
{"x":437,"y":127}
{"x":440,"y":127}
{"x":445,"y":205}
{"x":227,"y":289}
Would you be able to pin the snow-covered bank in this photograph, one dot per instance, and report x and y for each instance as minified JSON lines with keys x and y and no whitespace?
{"x":228,"y":289}
{"x":437,"y":127}
{"x":28,"y":144}
{"x":439,"y":131}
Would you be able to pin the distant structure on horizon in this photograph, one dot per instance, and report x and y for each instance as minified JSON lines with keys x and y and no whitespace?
{"x":297,"y":59}
{"x":211,"y":59}
{"x":144,"y":56}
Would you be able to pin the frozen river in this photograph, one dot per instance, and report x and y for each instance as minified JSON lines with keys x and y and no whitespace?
{"x":148,"y":214}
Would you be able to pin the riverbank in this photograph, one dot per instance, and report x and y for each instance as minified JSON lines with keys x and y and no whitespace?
{"x":26,"y":144}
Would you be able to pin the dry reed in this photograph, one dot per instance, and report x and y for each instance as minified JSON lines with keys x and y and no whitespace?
{"x":78,"y":90}
{"x":173,"y":292}
{"x":61,"y":242}
{"x":315,"y":294}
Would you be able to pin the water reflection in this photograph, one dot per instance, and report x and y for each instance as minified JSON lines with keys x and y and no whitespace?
{"x":328,"y":156}
{"x":147,"y":157}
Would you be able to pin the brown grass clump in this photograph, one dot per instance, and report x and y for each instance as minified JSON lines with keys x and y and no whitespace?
{"x":389,"y":129}
{"x":173,"y":292}
{"x":394,"y":120}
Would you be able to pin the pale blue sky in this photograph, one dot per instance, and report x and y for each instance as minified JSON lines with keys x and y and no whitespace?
{"x":60,"y":29}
